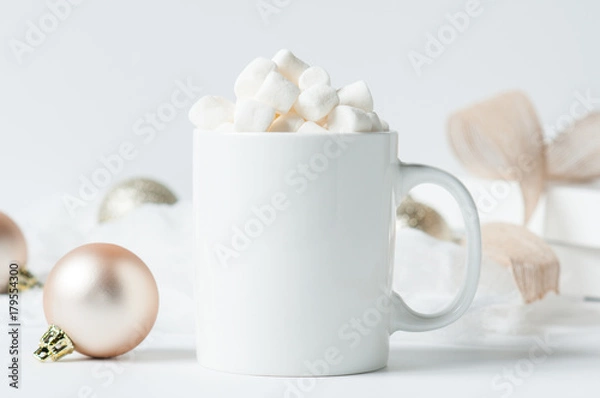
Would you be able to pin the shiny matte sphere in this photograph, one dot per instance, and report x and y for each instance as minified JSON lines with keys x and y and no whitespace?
{"x":104,"y":297}
{"x":13,"y":249}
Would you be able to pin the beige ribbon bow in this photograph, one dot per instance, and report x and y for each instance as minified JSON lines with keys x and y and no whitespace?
{"x":502,"y":137}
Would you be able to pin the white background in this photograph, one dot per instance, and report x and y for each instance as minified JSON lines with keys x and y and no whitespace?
{"x":77,"y":96}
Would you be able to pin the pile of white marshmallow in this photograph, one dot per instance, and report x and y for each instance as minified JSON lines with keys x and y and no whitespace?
{"x":284,"y":94}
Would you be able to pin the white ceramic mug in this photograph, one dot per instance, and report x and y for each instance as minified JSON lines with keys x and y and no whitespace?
{"x":294,"y":243}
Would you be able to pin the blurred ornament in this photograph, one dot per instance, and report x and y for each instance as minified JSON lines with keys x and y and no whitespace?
{"x":532,"y":262}
{"x":131,"y":194}
{"x":417,"y":215}
{"x":13,"y":250}
{"x":100,"y":300}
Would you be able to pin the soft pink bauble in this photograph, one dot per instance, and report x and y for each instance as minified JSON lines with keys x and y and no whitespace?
{"x":13,"y":249}
{"x":104,"y":297}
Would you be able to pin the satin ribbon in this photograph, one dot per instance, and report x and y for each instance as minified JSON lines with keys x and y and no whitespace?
{"x":502,"y":137}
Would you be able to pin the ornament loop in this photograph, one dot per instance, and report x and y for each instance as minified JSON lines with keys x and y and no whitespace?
{"x":54,"y":345}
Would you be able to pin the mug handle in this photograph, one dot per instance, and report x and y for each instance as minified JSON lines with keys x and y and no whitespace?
{"x":405,"y":318}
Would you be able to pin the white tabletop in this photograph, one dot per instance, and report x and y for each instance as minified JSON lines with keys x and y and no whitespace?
{"x":166,"y":366}
{"x":500,"y":348}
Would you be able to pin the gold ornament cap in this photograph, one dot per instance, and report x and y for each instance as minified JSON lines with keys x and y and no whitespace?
{"x":54,"y":345}
{"x":27,"y":280}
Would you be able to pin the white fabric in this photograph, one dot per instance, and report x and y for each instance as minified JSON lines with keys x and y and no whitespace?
{"x":428,"y":272}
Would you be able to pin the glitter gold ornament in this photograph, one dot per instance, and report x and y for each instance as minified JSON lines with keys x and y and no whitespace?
{"x":130,"y":194}
{"x":417,"y":215}
{"x":100,"y":300}
{"x":13,"y":250}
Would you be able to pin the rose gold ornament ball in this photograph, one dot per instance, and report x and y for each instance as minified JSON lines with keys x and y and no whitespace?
{"x":13,"y":249}
{"x":104,"y":297}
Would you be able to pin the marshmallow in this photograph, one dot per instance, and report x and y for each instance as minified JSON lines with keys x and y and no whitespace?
{"x":251,"y":116}
{"x":311,"y":127}
{"x":346,"y":119}
{"x":289,"y":65}
{"x":210,"y":111}
{"x":376,"y":125}
{"x":316,"y":102}
{"x":356,"y":95}
{"x":277,"y":92}
{"x":225,"y":128}
{"x":252,"y":77}
{"x":284,"y":94}
{"x":313,"y":76}
{"x":286,"y":123}
{"x":384,"y":125}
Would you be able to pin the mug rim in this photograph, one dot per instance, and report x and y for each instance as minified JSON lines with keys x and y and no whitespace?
{"x":290,"y":133}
